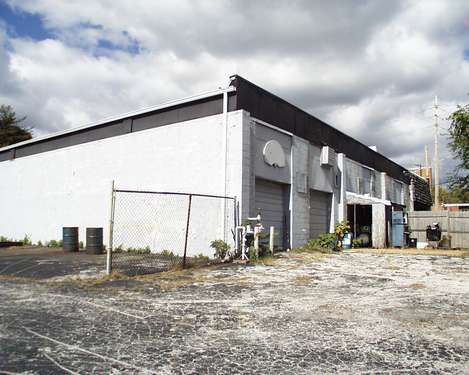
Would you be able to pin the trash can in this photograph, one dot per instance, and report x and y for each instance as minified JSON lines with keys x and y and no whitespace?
{"x":94,"y":240}
{"x":347,"y":241}
{"x":412,"y":242}
{"x":70,"y":239}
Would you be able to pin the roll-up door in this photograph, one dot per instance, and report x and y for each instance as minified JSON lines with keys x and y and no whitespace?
{"x":319,"y":212}
{"x":271,"y":202}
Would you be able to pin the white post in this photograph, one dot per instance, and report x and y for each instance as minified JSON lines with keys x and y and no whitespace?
{"x":271,"y":240}
{"x":243,"y":244}
{"x":111,"y":230}
{"x":383,"y":185}
{"x":256,"y":240}
{"x":411,"y":194}
{"x":342,"y":205}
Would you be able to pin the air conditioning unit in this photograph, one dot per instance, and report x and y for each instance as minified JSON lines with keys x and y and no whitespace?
{"x":328,"y":156}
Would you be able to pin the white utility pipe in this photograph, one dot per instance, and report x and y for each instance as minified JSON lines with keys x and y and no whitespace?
{"x":271,"y":240}
{"x":225,"y":157}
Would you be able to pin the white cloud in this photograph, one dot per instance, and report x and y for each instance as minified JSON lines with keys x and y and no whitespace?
{"x":369,"y":68}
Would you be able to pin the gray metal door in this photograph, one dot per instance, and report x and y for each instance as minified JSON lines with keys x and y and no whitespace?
{"x":319,"y":212}
{"x":270,"y":201}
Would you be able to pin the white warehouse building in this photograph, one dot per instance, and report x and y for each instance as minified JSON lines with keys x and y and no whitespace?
{"x":299,"y":173}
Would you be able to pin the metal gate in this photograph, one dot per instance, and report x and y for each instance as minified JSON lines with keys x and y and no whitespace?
{"x":153,"y":231}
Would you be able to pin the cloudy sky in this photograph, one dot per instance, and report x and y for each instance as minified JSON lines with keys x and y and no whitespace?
{"x":370,"y":68}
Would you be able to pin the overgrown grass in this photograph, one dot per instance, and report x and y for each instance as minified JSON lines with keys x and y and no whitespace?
{"x":267,"y":260}
{"x":303,"y":280}
{"x":416,"y":286}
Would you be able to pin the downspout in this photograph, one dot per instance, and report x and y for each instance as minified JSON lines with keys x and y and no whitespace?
{"x":225,"y":157}
{"x":290,"y":234}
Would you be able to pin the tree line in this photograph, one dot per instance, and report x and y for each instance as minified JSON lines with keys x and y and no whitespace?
{"x":12,"y":129}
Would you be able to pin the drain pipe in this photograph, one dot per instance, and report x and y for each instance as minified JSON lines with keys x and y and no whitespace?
{"x":225,"y":156}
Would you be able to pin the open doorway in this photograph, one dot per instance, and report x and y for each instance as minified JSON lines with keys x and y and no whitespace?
{"x":359,"y":217}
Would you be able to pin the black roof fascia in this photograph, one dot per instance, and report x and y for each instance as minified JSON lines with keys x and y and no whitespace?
{"x":274,"y":110}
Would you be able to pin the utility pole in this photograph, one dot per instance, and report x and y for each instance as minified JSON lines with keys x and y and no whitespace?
{"x":427,"y":164}
{"x":437,"y":158}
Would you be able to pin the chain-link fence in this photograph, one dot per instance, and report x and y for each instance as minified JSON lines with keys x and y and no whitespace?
{"x":155,"y":231}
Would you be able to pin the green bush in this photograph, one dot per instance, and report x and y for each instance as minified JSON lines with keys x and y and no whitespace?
{"x":221,"y":248}
{"x":202,"y":258}
{"x":139,"y":250}
{"x":27,"y":240}
{"x":39,"y":243}
{"x":356,"y":243}
{"x":54,"y":243}
{"x":340,"y":230}
{"x":168,"y":253}
{"x":252,"y":254}
{"x":4,"y":239}
{"x":325,"y":241}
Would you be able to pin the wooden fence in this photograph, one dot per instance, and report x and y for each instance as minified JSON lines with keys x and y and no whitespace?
{"x":455,"y":224}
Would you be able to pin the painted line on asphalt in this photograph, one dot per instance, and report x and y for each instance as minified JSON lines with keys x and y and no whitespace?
{"x":13,"y":264}
{"x":77,"y":348}
{"x":59,"y":365}
{"x":98,"y":305}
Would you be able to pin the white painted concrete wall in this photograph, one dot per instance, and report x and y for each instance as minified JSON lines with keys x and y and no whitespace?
{"x":40,"y":194}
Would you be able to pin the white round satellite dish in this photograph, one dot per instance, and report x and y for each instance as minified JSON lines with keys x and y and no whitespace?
{"x":273,"y":154}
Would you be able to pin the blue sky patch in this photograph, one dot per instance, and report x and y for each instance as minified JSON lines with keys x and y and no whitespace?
{"x":23,"y":24}
{"x":133,"y":47}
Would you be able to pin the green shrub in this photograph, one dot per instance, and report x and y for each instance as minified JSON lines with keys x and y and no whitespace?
{"x":356,"y":243}
{"x":118,"y":249}
{"x":325,"y":241}
{"x":39,"y":243}
{"x":252,"y":254}
{"x":139,"y":250}
{"x":202,"y":258}
{"x":221,"y":248}
{"x":54,"y":243}
{"x":168,"y":253}
{"x":27,"y":240}
{"x":340,"y":230}
{"x":80,"y":244}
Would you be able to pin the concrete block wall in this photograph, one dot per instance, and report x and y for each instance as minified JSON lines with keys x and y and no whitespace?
{"x":41,"y":193}
{"x":246,"y":200}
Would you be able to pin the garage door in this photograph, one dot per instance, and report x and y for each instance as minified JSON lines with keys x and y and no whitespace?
{"x":271,"y":203}
{"x":319,"y":212}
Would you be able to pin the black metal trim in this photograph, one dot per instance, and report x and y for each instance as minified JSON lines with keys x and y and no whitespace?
{"x":191,"y":110}
{"x":276,"y":111}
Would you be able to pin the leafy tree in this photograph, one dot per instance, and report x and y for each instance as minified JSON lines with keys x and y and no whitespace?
{"x":11,"y":130}
{"x":459,"y":145}
{"x":451,"y":195}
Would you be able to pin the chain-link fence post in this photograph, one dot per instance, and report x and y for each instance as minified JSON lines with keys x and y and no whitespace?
{"x":111,"y":231}
{"x":187,"y":231}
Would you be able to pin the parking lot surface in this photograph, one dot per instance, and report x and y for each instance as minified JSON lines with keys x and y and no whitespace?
{"x":302,"y":314}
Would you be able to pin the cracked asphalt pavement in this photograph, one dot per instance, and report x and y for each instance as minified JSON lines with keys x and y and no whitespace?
{"x":344,"y":313}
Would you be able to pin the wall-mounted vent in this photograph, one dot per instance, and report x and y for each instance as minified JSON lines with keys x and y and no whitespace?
{"x":328,"y":156}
